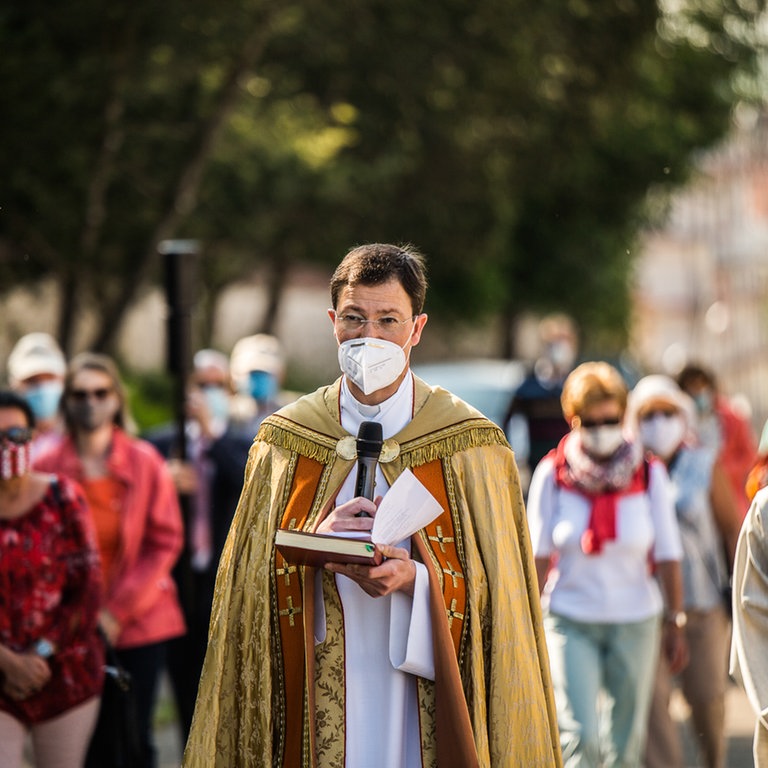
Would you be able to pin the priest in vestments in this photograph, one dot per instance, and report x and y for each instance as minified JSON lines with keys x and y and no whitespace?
{"x":436,"y":656}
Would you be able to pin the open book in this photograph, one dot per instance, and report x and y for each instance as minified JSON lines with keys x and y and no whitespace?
{"x":406,"y":507}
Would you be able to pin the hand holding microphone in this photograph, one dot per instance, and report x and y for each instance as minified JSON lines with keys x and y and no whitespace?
{"x":369,"y":443}
{"x":397,"y":572}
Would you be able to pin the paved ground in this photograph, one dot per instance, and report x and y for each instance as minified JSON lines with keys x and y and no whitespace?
{"x":739,"y":724}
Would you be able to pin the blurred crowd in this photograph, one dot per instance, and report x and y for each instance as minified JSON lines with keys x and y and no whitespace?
{"x":637,"y":492}
{"x":109,"y":543}
{"x":636,"y":496}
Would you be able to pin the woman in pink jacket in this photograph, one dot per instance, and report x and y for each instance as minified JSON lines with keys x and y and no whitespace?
{"x":138,"y":525}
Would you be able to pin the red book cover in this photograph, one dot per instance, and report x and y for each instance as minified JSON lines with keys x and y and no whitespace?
{"x":317,"y":549}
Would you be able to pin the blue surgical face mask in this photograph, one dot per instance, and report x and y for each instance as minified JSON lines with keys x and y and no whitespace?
{"x":217,"y":402}
{"x":262,"y":386}
{"x":705,"y":401}
{"x":44,"y":399}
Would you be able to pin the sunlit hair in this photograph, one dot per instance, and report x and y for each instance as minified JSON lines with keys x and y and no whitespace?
{"x":12,"y":399}
{"x":590,"y":384}
{"x":92,"y":361}
{"x":379,"y":263}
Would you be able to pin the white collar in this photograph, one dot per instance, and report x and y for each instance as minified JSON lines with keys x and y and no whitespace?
{"x":393,"y":414}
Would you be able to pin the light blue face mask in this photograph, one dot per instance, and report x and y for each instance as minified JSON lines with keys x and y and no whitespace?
{"x":44,"y":399}
{"x":262,"y":386}
{"x":705,"y":401}
{"x":217,"y":402}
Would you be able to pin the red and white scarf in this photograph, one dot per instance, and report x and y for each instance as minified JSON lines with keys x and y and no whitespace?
{"x":601,"y":482}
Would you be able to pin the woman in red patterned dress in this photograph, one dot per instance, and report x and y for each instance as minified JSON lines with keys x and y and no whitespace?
{"x":139,"y":529}
{"x":51,"y":660}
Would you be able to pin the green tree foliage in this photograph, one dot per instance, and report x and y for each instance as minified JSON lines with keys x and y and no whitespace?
{"x":513,"y":140}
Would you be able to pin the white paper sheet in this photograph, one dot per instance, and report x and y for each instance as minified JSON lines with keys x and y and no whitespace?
{"x":406,"y":507}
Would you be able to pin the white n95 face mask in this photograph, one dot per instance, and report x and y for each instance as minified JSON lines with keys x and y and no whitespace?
{"x":663,"y":435}
{"x":371,"y":364}
{"x":602,"y":442}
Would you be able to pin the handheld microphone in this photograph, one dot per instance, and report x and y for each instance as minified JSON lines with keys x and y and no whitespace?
{"x":369,"y":442}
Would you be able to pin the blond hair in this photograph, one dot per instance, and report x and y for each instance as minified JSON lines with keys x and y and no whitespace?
{"x":589,"y":384}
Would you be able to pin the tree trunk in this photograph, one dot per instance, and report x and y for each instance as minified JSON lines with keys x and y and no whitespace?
{"x":277,"y":277}
{"x":507,"y":323}
{"x":67,"y":312}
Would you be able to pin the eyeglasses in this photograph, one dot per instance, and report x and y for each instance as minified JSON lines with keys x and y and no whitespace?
{"x":664,"y":413}
{"x":18,"y":435}
{"x":592,"y":423}
{"x":84,"y":394}
{"x":386,"y":326}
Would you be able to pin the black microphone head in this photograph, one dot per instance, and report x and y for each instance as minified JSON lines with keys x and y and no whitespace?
{"x":369,"y":439}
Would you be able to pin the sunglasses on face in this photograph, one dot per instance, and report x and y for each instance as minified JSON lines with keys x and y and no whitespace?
{"x":18,"y":435}
{"x":665,"y":413}
{"x":81,"y":395}
{"x":592,"y":423}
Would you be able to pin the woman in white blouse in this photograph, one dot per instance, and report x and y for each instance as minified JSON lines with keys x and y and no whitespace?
{"x":605,"y":539}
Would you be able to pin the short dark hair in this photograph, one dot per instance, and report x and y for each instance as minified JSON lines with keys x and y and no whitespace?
{"x":695,"y":373}
{"x":377,"y":263}
{"x":11,"y":399}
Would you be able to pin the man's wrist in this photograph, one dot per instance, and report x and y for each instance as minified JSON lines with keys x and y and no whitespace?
{"x":676,"y":619}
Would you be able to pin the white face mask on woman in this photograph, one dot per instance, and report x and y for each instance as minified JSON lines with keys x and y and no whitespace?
{"x":662,"y":434}
{"x":371,"y":364}
{"x":603,"y":441}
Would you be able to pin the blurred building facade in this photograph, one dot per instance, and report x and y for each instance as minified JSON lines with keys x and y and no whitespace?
{"x":701,"y":280}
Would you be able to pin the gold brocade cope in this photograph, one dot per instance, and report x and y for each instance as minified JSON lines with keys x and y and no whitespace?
{"x":443,"y":558}
{"x":444,"y":547}
{"x":289,"y":594}
{"x":255,"y":706}
{"x":329,"y":714}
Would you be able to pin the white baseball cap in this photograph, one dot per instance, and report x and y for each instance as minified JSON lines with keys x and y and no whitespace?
{"x":211,"y":358}
{"x":34,"y":354}
{"x":261,"y":352}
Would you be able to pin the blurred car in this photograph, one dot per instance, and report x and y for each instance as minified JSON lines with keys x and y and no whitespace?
{"x":486,"y":383}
